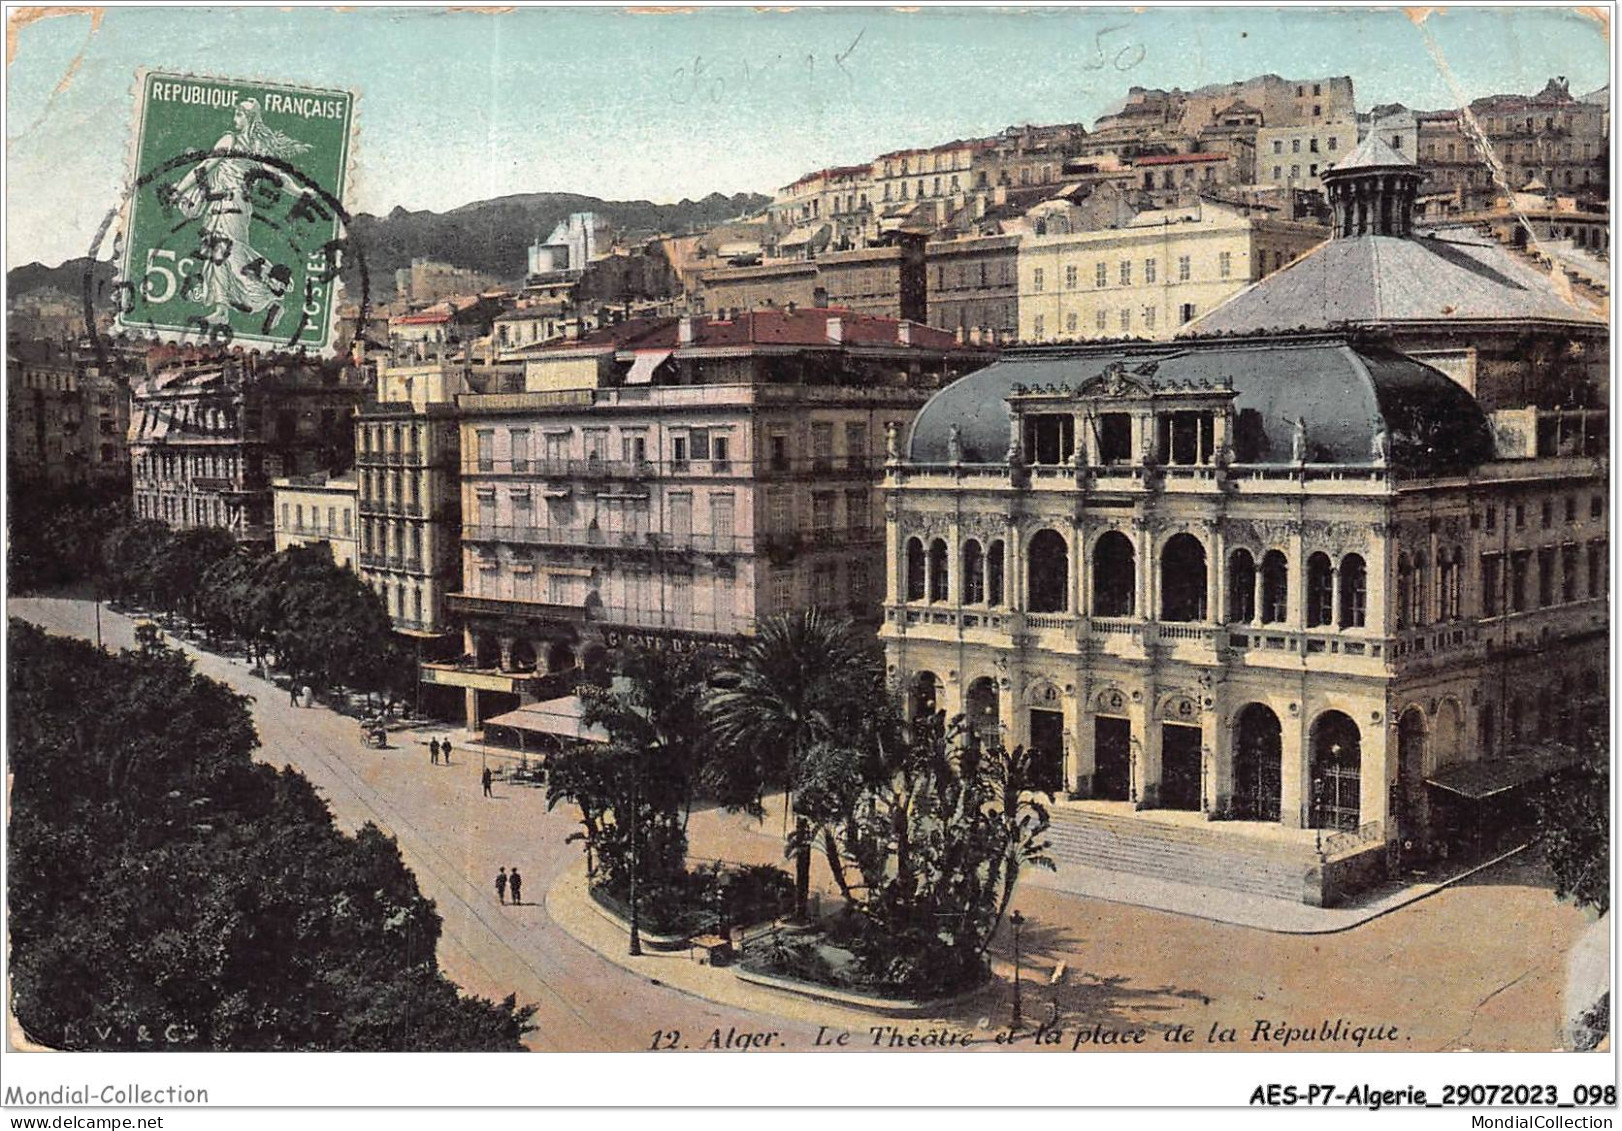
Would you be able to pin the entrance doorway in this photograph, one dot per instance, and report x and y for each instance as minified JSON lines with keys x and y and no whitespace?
{"x":1258,"y":763}
{"x":1337,"y":765}
{"x":1112,"y":758}
{"x":1047,"y":749}
{"x":1179,"y":767}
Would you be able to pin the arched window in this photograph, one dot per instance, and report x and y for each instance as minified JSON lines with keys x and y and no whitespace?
{"x":925,"y":694}
{"x":1115,"y":580}
{"x":980,"y":706}
{"x":1258,"y":760}
{"x":1337,"y":760}
{"x":915,"y":570}
{"x":1405,"y":591}
{"x":1049,"y":574}
{"x":1354,"y":591}
{"x":937,"y":570}
{"x":994,"y":574}
{"x":523,"y":656}
{"x":1320,"y":590}
{"x":1182,"y":579}
{"x":1419,"y":592}
{"x":1241,"y":587}
{"x":974,"y":573}
{"x":1275,"y":588}
{"x":1451,"y":564}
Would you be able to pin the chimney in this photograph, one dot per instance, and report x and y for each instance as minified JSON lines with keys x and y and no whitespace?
{"x":836,"y":331}
{"x":903,"y":332}
{"x":999,"y":195}
{"x":684,"y":330}
{"x":959,"y":334}
{"x":974,"y":335}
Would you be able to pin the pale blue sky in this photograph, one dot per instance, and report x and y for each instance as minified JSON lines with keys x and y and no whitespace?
{"x":461,"y":106}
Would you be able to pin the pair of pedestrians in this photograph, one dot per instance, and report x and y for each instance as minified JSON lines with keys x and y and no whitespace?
{"x":436,"y":751}
{"x":509,"y":881}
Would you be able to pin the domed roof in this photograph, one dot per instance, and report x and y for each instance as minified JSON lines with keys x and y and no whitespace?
{"x":1342,"y":392}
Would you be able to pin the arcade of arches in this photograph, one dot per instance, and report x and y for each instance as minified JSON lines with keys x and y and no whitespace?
{"x":1264,"y":763}
{"x":1324,"y":591}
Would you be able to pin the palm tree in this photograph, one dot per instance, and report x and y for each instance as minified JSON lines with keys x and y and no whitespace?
{"x":786,"y":715}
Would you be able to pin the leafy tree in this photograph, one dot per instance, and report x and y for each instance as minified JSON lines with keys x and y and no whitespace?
{"x":55,"y":531}
{"x":1574,"y":823}
{"x":162,"y":882}
{"x":131,"y":558}
{"x":176,"y":575}
{"x":786,"y":715}
{"x":635,"y":791}
{"x":940,"y":843}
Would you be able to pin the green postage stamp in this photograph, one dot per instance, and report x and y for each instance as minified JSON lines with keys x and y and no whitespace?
{"x":235,"y":230}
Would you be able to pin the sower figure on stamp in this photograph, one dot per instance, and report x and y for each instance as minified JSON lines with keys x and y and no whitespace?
{"x":516,"y":882}
{"x":216,"y":191}
{"x":501,"y":884}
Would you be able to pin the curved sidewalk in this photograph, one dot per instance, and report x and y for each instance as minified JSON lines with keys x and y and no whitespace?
{"x":719,"y":835}
{"x":570,"y":906}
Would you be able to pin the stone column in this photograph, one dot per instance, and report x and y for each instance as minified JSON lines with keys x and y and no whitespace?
{"x":1295,"y":786}
{"x":1013,"y":574}
{"x":1148,"y":594}
{"x":1334,"y":593}
{"x":1146,"y":727}
{"x":1296,"y":571}
{"x":1216,"y":577}
{"x":1078,"y":568}
{"x":1082,"y":758}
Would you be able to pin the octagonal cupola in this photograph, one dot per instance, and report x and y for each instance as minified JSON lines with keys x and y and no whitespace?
{"x":1371,"y":192}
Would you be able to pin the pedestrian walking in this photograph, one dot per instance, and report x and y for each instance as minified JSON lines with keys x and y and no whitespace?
{"x":445,"y":752}
{"x":485,"y":777}
{"x":292,"y":694}
{"x":307,"y":695}
{"x":516,"y":882}
{"x":501,"y":884}
{"x":433,"y":751}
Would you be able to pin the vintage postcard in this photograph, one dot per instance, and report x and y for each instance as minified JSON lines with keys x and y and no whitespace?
{"x":691,"y":531}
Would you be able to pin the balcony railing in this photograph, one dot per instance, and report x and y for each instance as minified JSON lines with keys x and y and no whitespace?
{"x":694,"y":541}
{"x":468,"y":603}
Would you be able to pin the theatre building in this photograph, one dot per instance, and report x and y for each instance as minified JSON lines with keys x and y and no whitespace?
{"x":1304,"y":587}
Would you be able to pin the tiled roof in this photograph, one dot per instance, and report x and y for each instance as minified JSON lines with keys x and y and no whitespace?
{"x":1453,"y":275}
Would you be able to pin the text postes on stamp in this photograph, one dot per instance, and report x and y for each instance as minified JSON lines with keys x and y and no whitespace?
{"x":234,"y":233}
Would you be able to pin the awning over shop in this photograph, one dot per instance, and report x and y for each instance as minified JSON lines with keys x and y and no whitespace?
{"x":642,"y":368}
{"x":1479,"y":780}
{"x":561,"y":718}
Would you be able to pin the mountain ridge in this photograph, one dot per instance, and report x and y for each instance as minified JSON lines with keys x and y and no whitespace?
{"x":488,"y":236}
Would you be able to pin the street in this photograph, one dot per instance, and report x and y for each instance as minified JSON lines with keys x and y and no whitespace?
{"x":1478,"y":966}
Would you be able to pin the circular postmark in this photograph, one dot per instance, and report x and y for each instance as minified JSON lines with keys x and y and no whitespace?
{"x":225,"y":247}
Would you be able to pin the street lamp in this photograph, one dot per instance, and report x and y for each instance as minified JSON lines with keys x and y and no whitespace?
{"x":636,"y":805}
{"x":1017,"y":921}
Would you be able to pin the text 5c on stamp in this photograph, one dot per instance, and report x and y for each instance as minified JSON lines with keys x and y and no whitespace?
{"x":234,"y":233}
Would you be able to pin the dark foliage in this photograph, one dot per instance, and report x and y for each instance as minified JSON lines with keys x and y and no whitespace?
{"x":55,"y":532}
{"x":161,"y":882}
{"x":1574,"y":824}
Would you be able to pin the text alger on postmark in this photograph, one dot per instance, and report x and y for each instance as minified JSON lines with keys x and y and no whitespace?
{"x":234,"y":232}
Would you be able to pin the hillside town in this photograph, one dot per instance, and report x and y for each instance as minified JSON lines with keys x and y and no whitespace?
{"x":1238,"y":460}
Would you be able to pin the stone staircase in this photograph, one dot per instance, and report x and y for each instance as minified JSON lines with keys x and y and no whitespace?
{"x":1202,"y":855}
